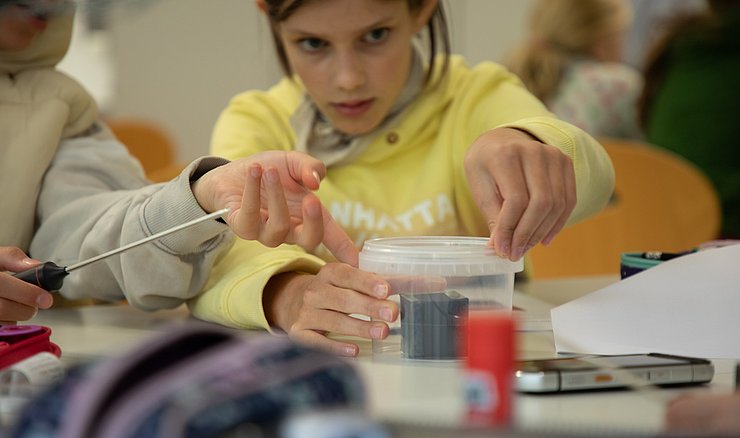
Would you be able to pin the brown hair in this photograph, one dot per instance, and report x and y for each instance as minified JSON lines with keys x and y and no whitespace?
{"x":560,"y":29}
{"x":438,"y":38}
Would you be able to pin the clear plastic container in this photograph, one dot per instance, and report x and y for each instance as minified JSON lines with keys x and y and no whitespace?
{"x":436,"y":281}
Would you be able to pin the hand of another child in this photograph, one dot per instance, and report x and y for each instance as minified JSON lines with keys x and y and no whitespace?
{"x":271,"y":200}
{"x":526,"y":189}
{"x":704,"y":415}
{"x":19,"y":301}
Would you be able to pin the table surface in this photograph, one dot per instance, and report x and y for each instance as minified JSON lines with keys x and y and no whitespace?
{"x":426,"y":394}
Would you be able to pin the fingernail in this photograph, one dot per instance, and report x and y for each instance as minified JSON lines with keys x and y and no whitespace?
{"x":44,"y":301}
{"x":386,"y":314}
{"x":255,"y":171}
{"x":313,"y":210}
{"x":272,"y":175}
{"x":350,"y":350}
{"x":317,"y":176}
{"x":376,"y":332}
{"x":29,"y":261}
{"x":547,"y":240}
{"x":518,"y":253}
{"x":505,"y":249}
{"x":381,"y":290}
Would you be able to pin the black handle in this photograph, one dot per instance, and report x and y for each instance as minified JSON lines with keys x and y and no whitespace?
{"x":48,"y":276}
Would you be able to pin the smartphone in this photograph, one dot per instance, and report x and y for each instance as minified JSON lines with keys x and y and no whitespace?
{"x":602,"y":372}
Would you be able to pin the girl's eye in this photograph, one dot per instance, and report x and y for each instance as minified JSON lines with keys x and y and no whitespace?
{"x":377,"y":35}
{"x":311,"y":44}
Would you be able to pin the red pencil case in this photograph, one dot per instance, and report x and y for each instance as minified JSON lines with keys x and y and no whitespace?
{"x":18,"y":342}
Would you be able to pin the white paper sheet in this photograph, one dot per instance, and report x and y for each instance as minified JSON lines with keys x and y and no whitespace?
{"x":688,"y":306}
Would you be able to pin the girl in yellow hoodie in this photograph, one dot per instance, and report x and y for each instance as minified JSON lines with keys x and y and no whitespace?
{"x":416,"y":143}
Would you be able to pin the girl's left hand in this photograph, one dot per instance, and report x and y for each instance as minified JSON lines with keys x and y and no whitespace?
{"x":271,"y":200}
{"x":526,"y":189}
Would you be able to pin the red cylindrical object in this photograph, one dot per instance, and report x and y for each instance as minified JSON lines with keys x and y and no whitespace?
{"x":489,"y":367}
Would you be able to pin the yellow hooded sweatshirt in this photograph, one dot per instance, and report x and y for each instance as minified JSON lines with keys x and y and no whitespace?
{"x":409,"y":180}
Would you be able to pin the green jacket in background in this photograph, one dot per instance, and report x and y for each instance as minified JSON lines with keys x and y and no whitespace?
{"x":695,"y":111}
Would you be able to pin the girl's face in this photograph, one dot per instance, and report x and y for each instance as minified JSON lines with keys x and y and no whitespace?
{"x":20,"y":23}
{"x":353,"y":56}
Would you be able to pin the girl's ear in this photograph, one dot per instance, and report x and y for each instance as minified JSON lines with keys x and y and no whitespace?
{"x":424,"y":14}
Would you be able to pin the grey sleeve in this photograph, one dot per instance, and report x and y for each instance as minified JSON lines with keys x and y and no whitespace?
{"x":95,"y":198}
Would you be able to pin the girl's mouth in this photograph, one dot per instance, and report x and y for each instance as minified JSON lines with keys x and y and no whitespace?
{"x":353,"y":108}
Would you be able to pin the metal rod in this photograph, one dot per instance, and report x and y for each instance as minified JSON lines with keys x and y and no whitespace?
{"x":148,"y":239}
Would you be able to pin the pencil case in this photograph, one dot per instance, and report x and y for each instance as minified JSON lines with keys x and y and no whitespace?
{"x":18,"y":342}
{"x":632,"y":263}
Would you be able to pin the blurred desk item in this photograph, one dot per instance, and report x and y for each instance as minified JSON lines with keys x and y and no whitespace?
{"x":661,"y":202}
{"x":422,"y":395}
{"x":558,"y":291}
{"x":686,"y":306}
{"x":150,"y":144}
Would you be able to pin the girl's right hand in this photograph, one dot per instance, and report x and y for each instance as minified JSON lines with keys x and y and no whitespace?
{"x":307,"y":307}
{"x":19,"y":301}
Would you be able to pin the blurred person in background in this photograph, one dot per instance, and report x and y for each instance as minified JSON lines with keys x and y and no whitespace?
{"x":572,"y":60}
{"x":650,"y":20}
{"x":691,"y":99}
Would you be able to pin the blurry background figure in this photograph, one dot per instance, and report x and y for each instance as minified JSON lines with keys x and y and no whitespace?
{"x":650,"y":20}
{"x":692,"y":99}
{"x":572,"y":61}
{"x":90,"y":56}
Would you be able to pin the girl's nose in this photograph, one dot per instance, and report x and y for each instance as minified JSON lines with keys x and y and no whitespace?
{"x":350,"y":73}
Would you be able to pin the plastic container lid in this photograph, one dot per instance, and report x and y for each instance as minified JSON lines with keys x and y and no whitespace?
{"x":434,"y":255}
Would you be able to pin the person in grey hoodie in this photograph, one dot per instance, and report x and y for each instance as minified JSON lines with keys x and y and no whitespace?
{"x":69,"y":190}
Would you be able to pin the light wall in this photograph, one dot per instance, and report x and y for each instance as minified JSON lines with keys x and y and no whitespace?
{"x":177,"y":62}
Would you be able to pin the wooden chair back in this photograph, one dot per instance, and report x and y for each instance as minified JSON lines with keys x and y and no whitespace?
{"x":150,"y":144}
{"x":661,"y":202}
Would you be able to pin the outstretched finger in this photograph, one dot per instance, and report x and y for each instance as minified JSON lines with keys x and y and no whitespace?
{"x":310,"y":232}
{"x":305,"y":169}
{"x":337,"y":241}
{"x":246,"y":220}
{"x":278,"y":223}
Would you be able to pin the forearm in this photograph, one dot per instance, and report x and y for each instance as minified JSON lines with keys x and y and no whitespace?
{"x":234,"y":295}
{"x":94,"y":198}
